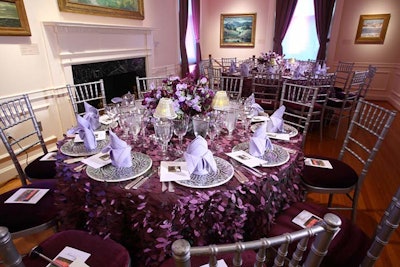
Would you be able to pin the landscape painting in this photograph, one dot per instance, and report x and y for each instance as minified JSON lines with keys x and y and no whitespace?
{"x":237,"y":30}
{"x":372,"y":29}
{"x":13,"y":20}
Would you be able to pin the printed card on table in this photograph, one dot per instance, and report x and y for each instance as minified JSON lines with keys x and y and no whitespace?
{"x":306,"y":219}
{"x":27,"y":195}
{"x":321,"y":163}
{"x":69,"y":255}
{"x":174,"y":171}
{"x":99,"y":135}
{"x":246,"y":158}
{"x":98,"y":160}
{"x":220,"y":263}
{"x":51,"y":156}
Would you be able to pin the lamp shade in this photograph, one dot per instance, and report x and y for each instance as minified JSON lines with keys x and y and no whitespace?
{"x":165,"y":109}
{"x":220,"y":101}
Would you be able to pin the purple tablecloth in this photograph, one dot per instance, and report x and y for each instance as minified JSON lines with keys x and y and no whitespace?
{"x":148,"y":220}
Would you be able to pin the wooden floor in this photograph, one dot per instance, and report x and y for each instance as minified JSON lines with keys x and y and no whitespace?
{"x":381,"y":183}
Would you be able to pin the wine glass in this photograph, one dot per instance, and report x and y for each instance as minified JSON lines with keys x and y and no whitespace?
{"x":163,"y":130}
{"x":135,"y":123}
{"x":200,"y":125}
{"x":112,"y":112}
{"x":124,"y":124}
{"x":180,"y":129}
{"x":230,"y":121}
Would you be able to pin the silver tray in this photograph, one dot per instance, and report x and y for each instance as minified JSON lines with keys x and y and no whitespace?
{"x":277,"y":157}
{"x":292,"y":131}
{"x":78,"y":149}
{"x":223,"y":174}
{"x":141,"y":163}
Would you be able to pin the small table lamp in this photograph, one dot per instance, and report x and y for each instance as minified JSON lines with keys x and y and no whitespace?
{"x":220,"y":101}
{"x":165,"y":109}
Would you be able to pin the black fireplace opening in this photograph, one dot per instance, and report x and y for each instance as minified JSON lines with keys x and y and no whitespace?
{"x":119,"y":76}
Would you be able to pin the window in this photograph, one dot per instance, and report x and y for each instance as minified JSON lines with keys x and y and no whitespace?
{"x":190,"y":40}
{"x":301,"y":40}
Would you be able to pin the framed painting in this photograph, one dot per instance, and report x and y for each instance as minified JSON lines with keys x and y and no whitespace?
{"x":13,"y":19}
{"x":372,"y":29}
{"x":238,"y":30}
{"x":131,"y":9}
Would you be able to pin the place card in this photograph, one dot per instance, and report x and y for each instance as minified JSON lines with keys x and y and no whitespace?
{"x":320,"y":163}
{"x":279,"y":136}
{"x":259,"y":118}
{"x":306,"y":219}
{"x":174,"y":171}
{"x":27,"y":195}
{"x":51,"y":156}
{"x":69,"y":256}
{"x":98,"y":160}
{"x":99,"y":135}
{"x":220,"y":263}
{"x":246,"y":158}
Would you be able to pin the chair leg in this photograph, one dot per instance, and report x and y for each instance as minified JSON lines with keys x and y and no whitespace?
{"x":354,"y":205}
{"x":330,"y":200}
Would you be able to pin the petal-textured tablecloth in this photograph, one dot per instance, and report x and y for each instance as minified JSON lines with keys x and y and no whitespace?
{"x":147,"y":220}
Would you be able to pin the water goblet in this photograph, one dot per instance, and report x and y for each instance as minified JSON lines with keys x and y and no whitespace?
{"x":135,"y":122}
{"x":112,"y":112}
{"x":200,"y":125}
{"x":180,"y":129}
{"x":230,"y":121}
{"x":163,"y":130}
{"x":124,"y":124}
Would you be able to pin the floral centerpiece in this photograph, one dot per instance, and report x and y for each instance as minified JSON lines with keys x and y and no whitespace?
{"x":271,"y":58}
{"x":189,"y":96}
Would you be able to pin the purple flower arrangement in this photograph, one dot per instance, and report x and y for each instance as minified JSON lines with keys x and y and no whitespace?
{"x":189,"y":96}
{"x":271,"y":58}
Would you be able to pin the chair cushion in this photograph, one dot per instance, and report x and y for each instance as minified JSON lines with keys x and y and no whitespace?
{"x":17,"y":217}
{"x":341,"y":176}
{"x":248,"y":258}
{"x":347,"y":249}
{"x":103,"y":252}
{"x":41,"y":169}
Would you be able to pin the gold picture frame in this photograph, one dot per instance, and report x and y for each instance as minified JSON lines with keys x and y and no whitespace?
{"x":372,"y":29}
{"x":133,"y":10}
{"x":13,"y":19}
{"x":238,"y":30}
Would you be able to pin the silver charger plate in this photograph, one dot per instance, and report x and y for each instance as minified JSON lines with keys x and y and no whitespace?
{"x":277,"y":157}
{"x":292,"y":131}
{"x":78,"y":149}
{"x":223,"y":174}
{"x":141,"y":163}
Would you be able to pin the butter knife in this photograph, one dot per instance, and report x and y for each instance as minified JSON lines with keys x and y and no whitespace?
{"x":138,"y":180}
{"x":241,"y":177}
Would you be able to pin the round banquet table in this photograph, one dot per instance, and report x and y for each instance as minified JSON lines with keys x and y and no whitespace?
{"x":146,"y":220}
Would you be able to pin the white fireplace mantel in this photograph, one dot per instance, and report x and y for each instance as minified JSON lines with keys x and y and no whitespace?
{"x":73,"y":43}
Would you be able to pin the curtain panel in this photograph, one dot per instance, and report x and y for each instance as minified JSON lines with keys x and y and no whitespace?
{"x":183,"y":21}
{"x":323,"y":17}
{"x":284,"y":13}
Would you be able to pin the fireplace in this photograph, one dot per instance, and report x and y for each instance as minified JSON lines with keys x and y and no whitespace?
{"x":119,"y":76}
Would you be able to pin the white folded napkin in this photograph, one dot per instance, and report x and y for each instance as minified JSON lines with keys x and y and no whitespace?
{"x":260,"y":142}
{"x":275,"y":123}
{"x":199,"y":158}
{"x":120,"y":152}
{"x":92,"y":116}
{"x":251,"y":102}
{"x":85,"y":132}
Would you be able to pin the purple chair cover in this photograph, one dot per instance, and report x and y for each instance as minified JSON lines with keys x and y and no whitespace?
{"x":42,"y":170}
{"x":17,"y":217}
{"x":347,"y":249}
{"x":104,"y":252}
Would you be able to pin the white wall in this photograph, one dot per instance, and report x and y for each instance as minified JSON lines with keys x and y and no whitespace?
{"x":32,"y":64}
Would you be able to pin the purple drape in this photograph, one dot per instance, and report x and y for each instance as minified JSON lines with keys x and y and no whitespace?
{"x":183,"y":21}
{"x":284,"y":12}
{"x":196,"y":26}
{"x":323,"y":16}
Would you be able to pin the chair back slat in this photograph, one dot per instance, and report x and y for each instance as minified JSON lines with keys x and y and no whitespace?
{"x":389,"y":223}
{"x":233,"y":86}
{"x":299,"y":101}
{"x":18,"y":114}
{"x":324,"y":232}
{"x":368,"y":119}
{"x":144,"y":84}
{"x":266,"y":88}
{"x":91,"y":92}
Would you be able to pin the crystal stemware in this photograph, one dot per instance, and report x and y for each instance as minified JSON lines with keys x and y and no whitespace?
{"x":230,"y":121}
{"x":180,"y":129}
{"x":112,"y":112}
{"x":163,"y":130}
{"x":135,"y":123}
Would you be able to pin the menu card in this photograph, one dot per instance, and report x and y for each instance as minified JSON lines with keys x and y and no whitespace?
{"x":98,"y":160}
{"x":306,"y":219}
{"x":174,"y":171}
{"x":27,"y":195}
{"x":246,"y":158}
{"x":220,"y":263}
{"x":99,"y":135}
{"x":51,"y":156}
{"x":318,"y":163}
{"x":70,"y":257}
